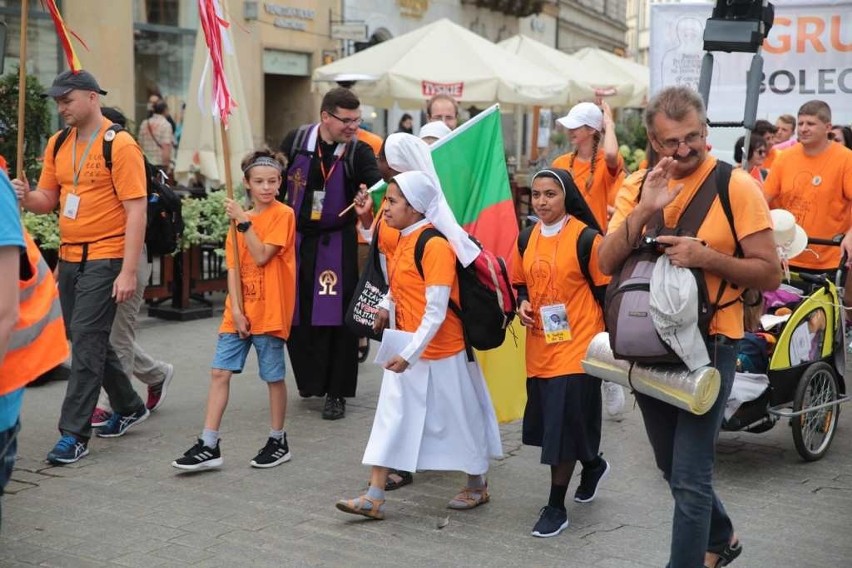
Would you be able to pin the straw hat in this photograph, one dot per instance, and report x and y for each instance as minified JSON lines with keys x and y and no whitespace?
{"x":790,"y":238}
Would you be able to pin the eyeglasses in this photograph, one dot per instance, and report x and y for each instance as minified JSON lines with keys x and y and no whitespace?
{"x":347,"y":121}
{"x":672,"y":144}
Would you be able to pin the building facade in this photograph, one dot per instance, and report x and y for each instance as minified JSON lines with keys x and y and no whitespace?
{"x":596,"y":23}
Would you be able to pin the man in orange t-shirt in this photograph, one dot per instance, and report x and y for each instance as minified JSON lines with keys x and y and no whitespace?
{"x":102,"y":228}
{"x":813,"y":181}
{"x":683,"y":443}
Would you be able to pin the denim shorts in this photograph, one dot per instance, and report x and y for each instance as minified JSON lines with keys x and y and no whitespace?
{"x":232,"y":351}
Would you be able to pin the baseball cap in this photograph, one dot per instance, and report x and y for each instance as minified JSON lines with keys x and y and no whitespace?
{"x":68,"y":81}
{"x":583,"y":114}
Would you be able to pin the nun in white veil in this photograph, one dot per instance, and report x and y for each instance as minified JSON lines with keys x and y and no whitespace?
{"x":434,"y":410}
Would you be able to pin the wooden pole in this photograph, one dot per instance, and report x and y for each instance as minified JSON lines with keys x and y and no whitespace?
{"x":229,"y":189}
{"x":22,"y":88}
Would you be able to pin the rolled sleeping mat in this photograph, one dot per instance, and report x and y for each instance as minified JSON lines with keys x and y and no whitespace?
{"x":694,"y":391}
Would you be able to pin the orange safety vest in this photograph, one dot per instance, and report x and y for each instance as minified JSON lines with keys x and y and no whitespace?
{"x":38,"y":341}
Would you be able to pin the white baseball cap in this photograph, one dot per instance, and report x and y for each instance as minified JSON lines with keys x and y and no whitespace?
{"x":583,"y":114}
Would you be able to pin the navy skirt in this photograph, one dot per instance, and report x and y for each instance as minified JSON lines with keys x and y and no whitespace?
{"x":563,"y":418}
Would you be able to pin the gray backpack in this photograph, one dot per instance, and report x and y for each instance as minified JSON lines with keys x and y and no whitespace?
{"x":632,"y":334}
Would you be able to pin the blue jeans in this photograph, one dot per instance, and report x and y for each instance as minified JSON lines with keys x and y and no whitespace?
{"x":685,"y":450}
{"x":8,"y":450}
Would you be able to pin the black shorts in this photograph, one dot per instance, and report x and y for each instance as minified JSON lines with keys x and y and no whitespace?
{"x":563,"y":418}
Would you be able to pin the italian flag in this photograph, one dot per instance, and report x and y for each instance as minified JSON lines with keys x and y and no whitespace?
{"x":471,"y":166}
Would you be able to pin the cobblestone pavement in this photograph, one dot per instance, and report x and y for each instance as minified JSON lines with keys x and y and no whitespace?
{"x":124,"y":505}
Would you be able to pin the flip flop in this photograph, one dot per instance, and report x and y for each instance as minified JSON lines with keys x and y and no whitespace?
{"x":728,"y":554}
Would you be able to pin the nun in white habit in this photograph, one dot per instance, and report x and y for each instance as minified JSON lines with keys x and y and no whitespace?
{"x":434,"y":412}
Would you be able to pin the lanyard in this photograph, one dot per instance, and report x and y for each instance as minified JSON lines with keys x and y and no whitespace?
{"x":338,"y":153}
{"x":79,"y":168}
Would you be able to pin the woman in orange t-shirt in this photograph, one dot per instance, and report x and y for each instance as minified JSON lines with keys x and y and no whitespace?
{"x":434,"y":411}
{"x":559,"y":310}
{"x":266,"y":238}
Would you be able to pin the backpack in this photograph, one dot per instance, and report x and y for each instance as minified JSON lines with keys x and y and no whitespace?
{"x":632,"y":334}
{"x":487,"y":303}
{"x":298,"y":147}
{"x":584,"y":253}
{"x":164,"y":225}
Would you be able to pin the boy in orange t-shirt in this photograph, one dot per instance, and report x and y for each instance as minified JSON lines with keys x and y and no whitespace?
{"x":267,"y":279}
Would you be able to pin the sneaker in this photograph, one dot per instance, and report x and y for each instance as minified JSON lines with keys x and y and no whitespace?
{"x":335,"y":408}
{"x":590,"y":481}
{"x":68,"y":450}
{"x":272,"y":454}
{"x":551,"y":522}
{"x":100,"y":417}
{"x":613,"y":399}
{"x":199,"y":457}
{"x":157,"y":393}
{"x":119,"y":424}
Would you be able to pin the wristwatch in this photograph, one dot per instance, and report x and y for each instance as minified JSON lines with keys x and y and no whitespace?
{"x":243,"y":227}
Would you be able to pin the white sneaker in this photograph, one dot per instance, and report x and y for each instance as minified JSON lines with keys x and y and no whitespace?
{"x":613,"y":400}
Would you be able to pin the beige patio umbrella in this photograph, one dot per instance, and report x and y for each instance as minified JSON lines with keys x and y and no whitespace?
{"x":640,"y":75}
{"x":200,"y":146}
{"x":588,"y":81}
{"x":443,"y":57}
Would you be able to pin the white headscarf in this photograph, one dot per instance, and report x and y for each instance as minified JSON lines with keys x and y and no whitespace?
{"x":424,"y":194}
{"x":436,"y":129}
{"x":407,"y":153}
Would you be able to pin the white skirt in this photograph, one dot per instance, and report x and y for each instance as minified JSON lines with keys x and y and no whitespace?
{"x":437,"y":415}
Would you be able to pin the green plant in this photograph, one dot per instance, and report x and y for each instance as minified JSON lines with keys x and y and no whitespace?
{"x":205,"y":221}
{"x":36,"y":123}
{"x":44,"y":229}
{"x":632,"y":158}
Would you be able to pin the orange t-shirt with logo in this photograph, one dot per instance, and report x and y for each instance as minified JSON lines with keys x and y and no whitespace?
{"x":409,"y":290}
{"x":823,"y":209}
{"x":101,"y":219}
{"x":751,"y":215}
{"x":604,"y":186}
{"x":551,"y":272}
{"x":269,"y":291}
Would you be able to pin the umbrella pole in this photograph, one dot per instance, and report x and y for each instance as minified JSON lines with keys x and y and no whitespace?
{"x":22,"y":88}
{"x":229,"y":189}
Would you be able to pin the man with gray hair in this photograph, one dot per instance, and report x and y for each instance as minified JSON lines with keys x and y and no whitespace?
{"x":683,"y":443}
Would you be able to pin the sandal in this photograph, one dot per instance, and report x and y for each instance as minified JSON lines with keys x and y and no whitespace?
{"x":728,"y":554}
{"x":469,"y":498}
{"x":356,"y":507}
{"x":404,"y":478}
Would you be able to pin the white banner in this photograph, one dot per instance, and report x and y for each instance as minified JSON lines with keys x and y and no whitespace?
{"x":808,"y":55}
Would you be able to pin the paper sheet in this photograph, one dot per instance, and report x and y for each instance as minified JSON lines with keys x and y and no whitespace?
{"x":393,"y":342}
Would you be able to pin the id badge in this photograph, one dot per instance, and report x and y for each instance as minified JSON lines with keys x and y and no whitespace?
{"x":72,"y":205}
{"x":554,"y":321}
{"x":316,"y":205}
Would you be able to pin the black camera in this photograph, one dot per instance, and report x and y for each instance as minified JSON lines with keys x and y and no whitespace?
{"x":738,"y":25}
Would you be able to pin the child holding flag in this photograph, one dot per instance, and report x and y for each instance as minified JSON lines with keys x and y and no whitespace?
{"x":261,"y":318}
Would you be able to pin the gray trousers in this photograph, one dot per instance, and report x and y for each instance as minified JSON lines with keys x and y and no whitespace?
{"x":85,"y":291}
{"x":135,"y":360}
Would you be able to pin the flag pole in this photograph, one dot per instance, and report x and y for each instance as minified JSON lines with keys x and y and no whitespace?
{"x":229,"y":191}
{"x":22,"y":88}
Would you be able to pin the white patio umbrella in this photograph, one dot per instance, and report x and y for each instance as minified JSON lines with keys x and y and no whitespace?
{"x":200,"y":146}
{"x":640,"y":75}
{"x":588,"y":81}
{"x":445,"y":57}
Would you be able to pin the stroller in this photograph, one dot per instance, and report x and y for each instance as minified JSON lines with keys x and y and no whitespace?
{"x":804,"y":379}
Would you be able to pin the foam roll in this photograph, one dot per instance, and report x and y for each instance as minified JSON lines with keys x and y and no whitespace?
{"x":694,"y":391}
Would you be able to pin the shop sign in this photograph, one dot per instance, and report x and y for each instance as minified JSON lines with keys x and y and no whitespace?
{"x":289,"y":17}
{"x":278,"y":62}
{"x":413,"y":8}
{"x":352,"y":31}
{"x":430,"y":89}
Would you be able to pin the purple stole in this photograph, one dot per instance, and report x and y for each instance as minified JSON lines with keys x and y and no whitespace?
{"x":328,"y":271}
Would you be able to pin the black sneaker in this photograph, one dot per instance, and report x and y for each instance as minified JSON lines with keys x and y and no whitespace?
{"x":335,"y":408}
{"x":272,"y":454}
{"x":551,"y":522}
{"x":199,"y":457}
{"x":590,"y":481}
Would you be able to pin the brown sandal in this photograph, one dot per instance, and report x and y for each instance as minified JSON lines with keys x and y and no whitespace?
{"x":356,"y":507}
{"x":469,"y":498}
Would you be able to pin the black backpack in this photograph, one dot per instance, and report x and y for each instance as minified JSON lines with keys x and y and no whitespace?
{"x":164,"y":225}
{"x":632,"y":334}
{"x":485,"y":293}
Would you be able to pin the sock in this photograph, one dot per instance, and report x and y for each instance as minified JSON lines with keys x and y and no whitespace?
{"x":376,"y":494}
{"x":476,"y":481}
{"x":210,"y":437}
{"x":593,"y":463}
{"x":277,"y":435}
{"x":557,"y":496}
